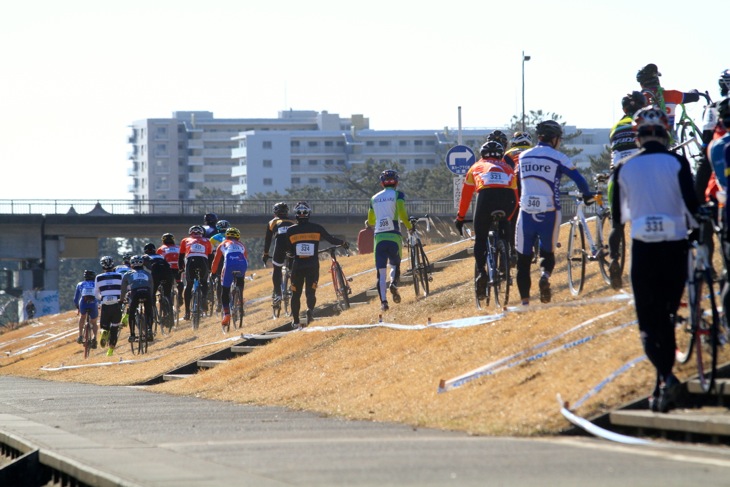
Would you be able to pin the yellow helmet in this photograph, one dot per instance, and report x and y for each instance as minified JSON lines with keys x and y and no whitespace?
{"x":233,"y":232}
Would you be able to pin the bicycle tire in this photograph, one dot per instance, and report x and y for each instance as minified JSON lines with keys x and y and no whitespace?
{"x":341,"y":288}
{"x":425,"y":267}
{"x":501,"y":282}
{"x":692,"y":150}
{"x":87,"y":337}
{"x":286,"y":291}
{"x":414,"y":271}
{"x":236,"y":308}
{"x":706,"y":329}
{"x":142,"y":332}
{"x":476,"y":294}
{"x":196,"y":311}
{"x":166,"y":316}
{"x":684,"y":336}
{"x":576,"y":258}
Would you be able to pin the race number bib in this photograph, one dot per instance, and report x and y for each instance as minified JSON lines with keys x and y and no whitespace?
{"x":197,"y":248}
{"x":384,"y":225}
{"x":305,"y":249}
{"x":495,"y":178}
{"x":109,"y":299}
{"x":653,"y":228}
{"x":141,"y":276}
{"x":87,"y":291}
{"x":282,"y":230}
{"x":535,"y":203}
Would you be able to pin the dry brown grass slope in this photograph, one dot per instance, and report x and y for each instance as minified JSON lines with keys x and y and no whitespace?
{"x":386,"y":374}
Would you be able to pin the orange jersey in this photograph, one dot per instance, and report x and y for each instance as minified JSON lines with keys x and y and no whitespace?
{"x":170,"y":253}
{"x":486,"y":174}
{"x":195,"y":247}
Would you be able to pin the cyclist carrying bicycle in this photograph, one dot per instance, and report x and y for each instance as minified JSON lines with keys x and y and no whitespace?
{"x":386,"y":208}
{"x":302,"y":241}
{"x":276,"y":234}
{"x":539,"y":172}
{"x":667,"y":100}
{"x":171,"y":253}
{"x":622,"y":136}
{"x":138,"y":282}
{"x":108,"y":291}
{"x":654,"y":191}
{"x":193,"y":258}
{"x":87,"y":304}
{"x":230,"y":256}
{"x":496,"y":187}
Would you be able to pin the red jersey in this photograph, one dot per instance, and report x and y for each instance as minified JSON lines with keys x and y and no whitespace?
{"x":171,"y":253}
{"x":484,"y":174}
{"x":195,"y":247}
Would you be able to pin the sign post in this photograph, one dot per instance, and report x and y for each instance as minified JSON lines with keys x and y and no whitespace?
{"x":458,"y":160}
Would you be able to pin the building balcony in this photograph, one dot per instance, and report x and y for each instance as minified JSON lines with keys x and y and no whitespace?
{"x":239,"y":189}
{"x":195,"y":143}
{"x":239,"y":152}
{"x":196,"y":161}
{"x":238,"y":171}
{"x":196,"y":177}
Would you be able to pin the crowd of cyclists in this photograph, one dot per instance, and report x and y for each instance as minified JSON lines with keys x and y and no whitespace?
{"x":653,"y":187}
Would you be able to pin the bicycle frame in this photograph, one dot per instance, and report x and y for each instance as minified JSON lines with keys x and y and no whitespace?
{"x":420,"y":266}
{"x":339,"y":282}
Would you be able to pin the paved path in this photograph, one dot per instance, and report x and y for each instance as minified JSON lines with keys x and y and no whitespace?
{"x":148,"y":439}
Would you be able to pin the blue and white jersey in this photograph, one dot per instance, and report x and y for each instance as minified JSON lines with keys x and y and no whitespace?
{"x":109,"y":287}
{"x":718,"y":152}
{"x":85,"y":290}
{"x":122,"y":269}
{"x":540,"y":170}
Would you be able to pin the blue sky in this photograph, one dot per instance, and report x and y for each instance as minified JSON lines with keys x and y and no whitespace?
{"x":76,"y":73}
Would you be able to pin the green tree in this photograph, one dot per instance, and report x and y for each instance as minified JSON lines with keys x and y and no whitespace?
{"x":602,"y":162}
{"x":534,"y":117}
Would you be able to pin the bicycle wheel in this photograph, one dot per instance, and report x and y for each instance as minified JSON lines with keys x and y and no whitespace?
{"x":576,"y":258}
{"x":341,"y":288}
{"x":414,"y":271}
{"x":141,"y":332}
{"x":684,"y":336}
{"x":476,"y":294}
{"x":425,"y":268}
{"x":236,"y":308}
{"x":285,"y":291}
{"x":689,"y":141}
{"x":196,"y":307}
{"x":603,"y":230}
{"x":501,"y":282}
{"x":87,"y":337}
{"x":705,"y":327}
{"x":165,"y":313}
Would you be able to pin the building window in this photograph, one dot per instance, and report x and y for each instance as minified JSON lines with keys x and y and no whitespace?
{"x":328,"y":143}
{"x":430,"y":162}
{"x":161,"y":131}
{"x":340,"y":162}
{"x":329,"y":162}
{"x":402,"y":143}
{"x":370,"y":143}
{"x":418,"y":162}
{"x":383,"y":143}
{"x":313,"y":180}
{"x":340,"y":143}
{"x":294,"y":143}
{"x":161,"y":150}
{"x":295,"y":162}
{"x":431,"y":142}
{"x":162,"y":166}
{"x":417,"y":142}
{"x":268,"y":163}
{"x":403,"y":161}
{"x":267,"y":144}
{"x":268,"y":182}
{"x":313,"y":162}
{"x":312,"y":143}
{"x":296,"y":180}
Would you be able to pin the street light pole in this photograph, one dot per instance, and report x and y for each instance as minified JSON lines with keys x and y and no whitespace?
{"x":524,"y":58}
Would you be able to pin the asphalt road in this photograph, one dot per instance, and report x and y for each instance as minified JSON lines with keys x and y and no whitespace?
{"x":149,"y":439}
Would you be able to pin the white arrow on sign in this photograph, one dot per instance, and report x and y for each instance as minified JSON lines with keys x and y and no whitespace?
{"x":466,"y":155}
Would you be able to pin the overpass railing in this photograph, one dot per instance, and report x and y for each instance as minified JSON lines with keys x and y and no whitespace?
{"x":202,"y":206}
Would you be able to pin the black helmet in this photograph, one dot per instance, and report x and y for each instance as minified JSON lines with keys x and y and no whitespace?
{"x":648,"y":75}
{"x":222,"y":225}
{"x":548,"y":130}
{"x":136,"y":262}
{"x":632,"y":102}
{"x":302,"y":210}
{"x":498,"y":136}
{"x":150,"y":248}
{"x":724,"y":82}
{"x":107,"y":262}
{"x":126,"y":258}
{"x":281,"y":209}
{"x":389,"y":177}
{"x":168,"y":239}
{"x":651,"y":121}
{"x":492,"y":149}
{"x":210,"y":219}
{"x":89,"y":275}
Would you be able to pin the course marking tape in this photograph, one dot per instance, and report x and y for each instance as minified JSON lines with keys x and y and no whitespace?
{"x":613,"y":375}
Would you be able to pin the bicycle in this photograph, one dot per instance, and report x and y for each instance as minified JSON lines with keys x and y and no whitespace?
{"x":340,"y":282}
{"x":165,"y":313}
{"x":196,"y":304}
{"x":236,"y":303}
{"x":140,"y":326}
{"x":497,"y":266}
{"x":420,"y":267}
{"x":701,"y":330}
{"x":578,"y":255}
{"x":175,"y":307}
{"x":213,"y":294}
{"x":285,"y":291}
{"x":87,"y":337}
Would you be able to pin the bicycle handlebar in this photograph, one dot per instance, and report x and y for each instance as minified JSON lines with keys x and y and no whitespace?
{"x":413,"y":220}
{"x":333,"y":249}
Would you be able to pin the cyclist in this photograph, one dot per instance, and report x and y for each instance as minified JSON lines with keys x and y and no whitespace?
{"x":386,"y":208}
{"x":501,"y":138}
{"x":539,"y":172}
{"x":194,"y":252}
{"x":209,"y":222}
{"x":215,"y":241}
{"x":496,"y":186}
{"x":230,"y":256}
{"x":138,"y":282}
{"x":86,"y":304}
{"x":302,"y":240}
{"x":160,"y":270}
{"x":171,"y":253}
{"x":667,"y":100}
{"x":519,"y":143}
{"x":654,"y":190}
{"x":622,"y":136}
{"x":124,"y":266}
{"x":275,"y":232}
{"x":108,"y":291}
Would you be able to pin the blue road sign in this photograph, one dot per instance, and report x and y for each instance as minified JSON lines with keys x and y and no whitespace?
{"x":459,"y":159}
